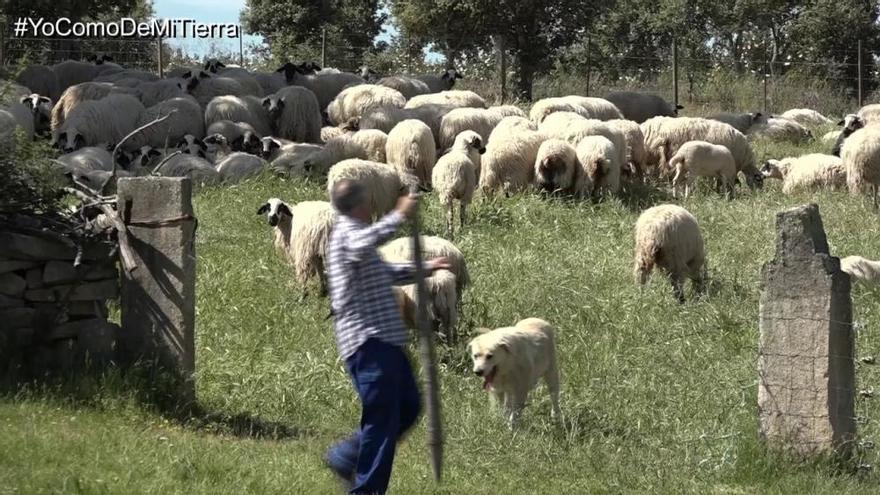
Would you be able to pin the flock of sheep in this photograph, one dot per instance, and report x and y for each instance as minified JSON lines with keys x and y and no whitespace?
{"x":220,"y":124}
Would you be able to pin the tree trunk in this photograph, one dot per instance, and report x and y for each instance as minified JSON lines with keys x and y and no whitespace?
{"x":524,"y":75}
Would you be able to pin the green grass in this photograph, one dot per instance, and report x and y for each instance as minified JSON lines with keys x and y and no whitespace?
{"x":657,"y":397}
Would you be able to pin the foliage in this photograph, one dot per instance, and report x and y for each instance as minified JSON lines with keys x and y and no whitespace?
{"x":31,"y":182}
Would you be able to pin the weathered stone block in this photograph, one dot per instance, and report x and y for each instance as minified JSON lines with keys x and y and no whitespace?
{"x":59,"y":272}
{"x":28,"y":247}
{"x":34,"y":278}
{"x":12,"y":285}
{"x":17,"y":318}
{"x":87,"y":308}
{"x":40,"y":295}
{"x":10,"y":302}
{"x":15,"y":265}
{"x":805,"y":364}
{"x":93,"y":291}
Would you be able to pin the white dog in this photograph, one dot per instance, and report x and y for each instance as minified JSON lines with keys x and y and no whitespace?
{"x":511,"y":360}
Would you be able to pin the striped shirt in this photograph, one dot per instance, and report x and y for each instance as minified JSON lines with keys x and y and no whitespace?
{"x":360,"y":282}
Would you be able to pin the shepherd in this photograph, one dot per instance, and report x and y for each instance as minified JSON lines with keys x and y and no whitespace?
{"x":370,"y":336}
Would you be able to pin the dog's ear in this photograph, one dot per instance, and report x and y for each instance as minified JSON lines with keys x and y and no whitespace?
{"x":482,"y":330}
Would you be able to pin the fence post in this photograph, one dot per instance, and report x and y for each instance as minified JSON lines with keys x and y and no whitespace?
{"x":2,"y":46}
{"x":160,"y":57}
{"x":764,"y":108}
{"x":861,"y":98}
{"x":500,"y":49}
{"x":240,"y":47}
{"x":589,"y":64}
{"x":675,"y":72}
{"x":323,"y":47}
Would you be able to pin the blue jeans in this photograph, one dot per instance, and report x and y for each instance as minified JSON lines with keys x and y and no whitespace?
{"x":391,"y":403}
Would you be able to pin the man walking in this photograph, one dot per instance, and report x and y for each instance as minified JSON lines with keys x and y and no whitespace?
{"x":370,"y":336}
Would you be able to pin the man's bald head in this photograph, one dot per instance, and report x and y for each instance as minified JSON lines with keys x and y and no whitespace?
{"x":347,"y":195}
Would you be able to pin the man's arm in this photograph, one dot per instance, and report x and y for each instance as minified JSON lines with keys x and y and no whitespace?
{"x":402,"y":273}
{"x":361,"y":241}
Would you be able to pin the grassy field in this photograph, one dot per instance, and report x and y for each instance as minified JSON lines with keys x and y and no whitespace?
{"x":657,"y":397}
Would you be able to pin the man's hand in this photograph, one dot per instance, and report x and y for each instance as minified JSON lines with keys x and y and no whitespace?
{"x":407,"y":205}
{"x":438,"y":264}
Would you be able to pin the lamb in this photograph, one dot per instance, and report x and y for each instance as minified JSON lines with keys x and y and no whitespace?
{"x":442,"y":306}
{"x":637,"y":156}
{"x":233,"y":166}
{"x":294,"y":114}
{"x":184,"y":118}
{"x":740,"y":121}
{"x":861,"y":269}
{"x":557,"y":170}
{"x":41,"y":80}
{"x":302,"y":233}
{"x":357,"y":100}
{"x":479,"y":120}
{"x":861,"y":158}
{"x":455,"y":176}
{"x":639,"y":107}
{"x":400,"y":250}
{"x":373,"y":141}
{"x":382,"y":183}
{"x":107,"y":120}
{"x":807,"y":172}
{"x":668,"y":236}
{"x":443,"y":82}
{"x":453,"y":98}
{"x":411,"y":150}
{"x":591,"y":108}
{"x":699,"y":158}
{"x":408,"y":86}
{"x":806,"y":117}
{"x":599,"y":160}
{"x":508,"y":164}
{"x":248,"y":109}
{"x":851,"y":123}
{"x":782,"y":129}
{"x":204,"y":87}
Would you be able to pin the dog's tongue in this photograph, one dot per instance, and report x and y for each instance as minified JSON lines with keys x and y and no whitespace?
{"x":487,"y":381}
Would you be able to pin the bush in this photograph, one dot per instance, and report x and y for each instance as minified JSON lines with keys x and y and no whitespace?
{"x":31,"y":181}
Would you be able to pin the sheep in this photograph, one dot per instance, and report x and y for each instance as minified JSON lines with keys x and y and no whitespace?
{"x":508,"y":164}
{"x":806,"y":117}
{"x":325,"y":86}
{"x":382,"y":183}
{"x":454,"y":98}
{"x":782,"y":129}
{"x":557,"y":170}
{"x":573,"y":129}
{"x":40,"y":108}
{"x":72,"y":72}
{"x":374,"y":143}
{"x":699,"y":158}
{"x":368,"y":74}
{"x":295,"y":160}
{"x":479,"y":120}
{"x":740,"y":121}
{"x":400,"y":251}
{"x":233,"y":166}
{"x":861,"y":158}
{"x":11,"y":92}
{"x":455,"y":176}
{"x":302,"y":234}
{"x":385,"y":118}
{"x":670,"y":133}
{"x":851,"y":123}
{"x":272,"y":147}
{"x":591,"y":108}
{"x":599,"y":161}
{"x":270,"y":82}
{"x":861,"y":269}
{"x":236,"y":133}
{"x":668,"y":236}
{"x":74,"y":95}
{"x":807,"y":172}
{"x":204,"y":87}
{"x":355,"y":101}
{"x":247,"y":81}
{"x":184,"y":117}
{"x":831,"y":137}
{"x":239,"y":109}
{"x":107,"y":120}
{"x":443,"y":82}
{"x":408,"y":86}
{"x":442,"y":303}
{"x":870,"y":114}
{"x":154,"y":92}
{"x":294,"y":114}
{"x":41,"y":80}
{"x":637,"y":155}
{"x":411,"y":150}
{"x":199,"y":170}
{"x":639,"y":107}
{"x":318,"y":163}
{"x":12,"y":117}
{"x":88,"y":158}
{"x":191,"y":145}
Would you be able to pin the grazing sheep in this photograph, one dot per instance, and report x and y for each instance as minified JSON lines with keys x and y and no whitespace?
{"x":442,"y":304}
{"x":591,"y":108}
{"x":599,"y":160}
{"x":295,"y":161}
{"x":302,"y":232}
{"x":385,"y":118}
{"x":740,"y":121}
{"x":670,"y":133}
{"x":355,"y":101}
{"x":851,"y":123}
{"x":557,"y":170}
{"x":455,"y":176}
{"x":374,"y":143}
{"x":667,"y":236}
{"x":411,"y":150}
{"x":204,"y":87}
{"x":699,"y":158}
{"x":509,"y":162}
{"x":573,"y":129}
{"x":400,"y":250}
{"x":233,"y":166}
{"x":294,"y":114}
{"x":236,"y":133}
{"x":107,"y":120}
{"x":443,"y":82}
{"x":74,"y":95}
{"x":639,"y":107}
{"x":408,"y":86}
{"x":807,"y":172}
{"x":184,"y":118}
{"x":636,"y":156}
{"x":41,"y":80}
{"x":782,"y":129}
{"x":861,"y":158}
{"x":806,"y":117}
{"x":479,"y":120}
{"x":454,"y":98}
{"x":382,"y":183}
{"x":861,"y":269}
{"x":72,"y":72}
{"x":239,"y":109}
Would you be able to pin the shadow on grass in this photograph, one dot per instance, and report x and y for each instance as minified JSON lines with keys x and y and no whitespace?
{"x":639,"y":196}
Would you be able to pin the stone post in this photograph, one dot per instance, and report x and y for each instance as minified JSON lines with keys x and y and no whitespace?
{"x":805,"y":356}
{"x":158,"y":297}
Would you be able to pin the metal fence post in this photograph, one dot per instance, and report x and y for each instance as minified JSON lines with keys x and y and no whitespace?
{"x":861,"y":96}
{"x":240,"y":48}
{"x":323,"y":47}
{"x":675,"y":71}
{"x":160,"y":56}
{"x":764,"y":108}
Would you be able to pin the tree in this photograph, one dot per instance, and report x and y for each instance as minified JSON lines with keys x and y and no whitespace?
{"x":293,"y":28}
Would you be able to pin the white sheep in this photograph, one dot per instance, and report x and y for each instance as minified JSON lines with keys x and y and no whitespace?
{"x":15,"y":116}
{"x":851,"y":123}
{"x":861,"y":269}
{"x":454,"y":177}
{"x":599,"y":160}
{"x":41,"y":109}
{"x":374,"y":143}
{"x":870,"y":114}
{"x":574,"y":129}
{"x":408,"y":86}
{"x":807,"y":172}
{"x":184,"y":118}
{"x":383,"y":184}
{"x":443,"y":82}
{"x":295,"y":161}
{"x":639,"y":107}
{"x":701,"y":159}
{"x":861,"y":158}
{"x":453,"y":98}
{"x":410,"y":149}
{"x":479,"y":120}
{"x":557,"y":169}
{"x":385,"y":118}
{"x":782,"y":129}
{"x":74,"y":95}
{"x":509,"y":162}
{"x":294,"y":114}
{"x":302,"y":233}
{"x":442,"y":303}
{"x":329,"y":132}
{"x":636,"y":155}
{"x":830,"y":137}
{"x":107,"y":120}
{"x":233,"y":166}
{"x":806,"y":117}
{"x":591,"y":108}
{"x":400,"y":250}
{"x":88,"y":158}
{"x":742,"y":122}
{"x":318,"y":163}
{"x":668,"y":237}
{"x":355,"y":101}
{"x":239,"y":109}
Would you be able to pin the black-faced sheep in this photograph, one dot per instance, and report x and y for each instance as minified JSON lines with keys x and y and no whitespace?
{"x":294,"y":114}
{"x":639,"y":107}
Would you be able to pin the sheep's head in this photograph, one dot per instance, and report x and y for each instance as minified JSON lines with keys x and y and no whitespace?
{"x":597,"y":168}
{"x":550,"y":172}
{"x":450,"y":75}
{"x":367,"y":73}
{"x":214,"y":65}
{"x":275,"y":211}
{"x":851,"y":123}
{"x":99,"y":59}
{"x":351,"y":125}
{"x":146,"y":156}
{"x":469,"y":140}
{"x":772,"y":169}
{"x":192,"y":145}
{"x":290,"y":70}
{"x":758,"y":118}
{"x":755,"y":180}
{"x":192,"y":80}
{"x":274,"y":106}
{"x":270,"y":145}
{"x":216,"y":142}
{"x":676,"y":108}
{"x":309,"y":67}
{"x":248,"y":142}
{"x":41,"y":108}
{"x":70,"y":141}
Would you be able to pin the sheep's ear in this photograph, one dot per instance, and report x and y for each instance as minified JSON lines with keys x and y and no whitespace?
{"x":186,"y":75}
{"x":45,"y":99}
{"x":841,"y":122}
{"x":266,"y":102}
{"x":238,"y":143}
{"x":181,"y":143}
{"x":679,"y":107}
{"x":458,"y":76}
{"x":263,"y":209}
{"x":26,"y":100}
{"x":204,"y":75}
{"x":274,"y":145}
{"x":153,"y":152}
{"x":284,"y":209}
